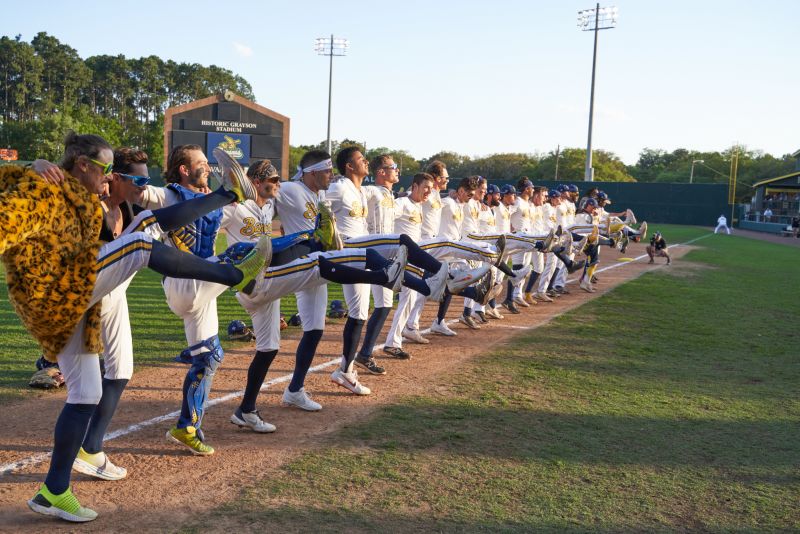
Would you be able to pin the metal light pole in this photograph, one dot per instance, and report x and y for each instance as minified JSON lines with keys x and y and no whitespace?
{"x":330,"y":47}
{"x":599,"y":18}
{"x":691,"y":174}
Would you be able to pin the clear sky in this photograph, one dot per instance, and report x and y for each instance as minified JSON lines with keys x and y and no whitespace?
{"x":477,"y":77}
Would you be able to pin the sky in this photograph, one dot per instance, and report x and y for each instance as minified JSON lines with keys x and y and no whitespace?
{"x":478,"y":77}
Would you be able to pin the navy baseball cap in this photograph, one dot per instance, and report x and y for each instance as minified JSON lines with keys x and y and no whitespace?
{"x":573,"y":188}
{"x":554,"y":193}
{"x":591,"y":202}
{"x":508,"y":189}
{"x":491,"y":189}
{"x":561,"y":188}
{"x":601,"y":195}
{"x":526,"y":184}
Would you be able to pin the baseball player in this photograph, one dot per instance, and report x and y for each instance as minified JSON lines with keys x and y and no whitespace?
{"x":62,"y":224}
{"x":658,"y":247}
{"x":722,"y":222}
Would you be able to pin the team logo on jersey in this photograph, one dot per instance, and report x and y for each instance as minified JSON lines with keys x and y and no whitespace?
{"x":358,"y":210}
{"x":458,"y":215}
{"x":436,"y":204}
{"x":387,"y":201}
{"x":311,"y":211}
{"x":254,"y":228}
{"x":231,"y":147}
{"x":415,"y":217}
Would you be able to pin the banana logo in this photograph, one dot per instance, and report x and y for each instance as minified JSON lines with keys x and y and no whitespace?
{"x":387,"y":201}
{"x":311,"y":211}
{"x":231,"y":147}
{"x":415,"y":217}
{"x":254,"y":228}
{"x":358,"y":210}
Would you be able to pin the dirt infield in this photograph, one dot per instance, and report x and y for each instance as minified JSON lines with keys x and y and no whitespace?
{"x":166,"y":485}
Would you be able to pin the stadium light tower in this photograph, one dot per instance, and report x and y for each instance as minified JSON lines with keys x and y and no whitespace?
{"x":599,"y":18}
{"x":691,"y":174}
{"x":330,"y":47}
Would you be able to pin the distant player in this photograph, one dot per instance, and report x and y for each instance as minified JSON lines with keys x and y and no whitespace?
{"x":658,"y":247}
{"x":722,"y":222}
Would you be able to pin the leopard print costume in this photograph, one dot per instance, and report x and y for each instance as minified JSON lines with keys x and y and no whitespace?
{"x":49,"y":240}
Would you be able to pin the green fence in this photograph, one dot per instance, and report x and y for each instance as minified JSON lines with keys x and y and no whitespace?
{"x":699,"y":204}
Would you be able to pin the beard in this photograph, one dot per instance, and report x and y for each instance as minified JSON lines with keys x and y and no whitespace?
{"x":199,"y":178}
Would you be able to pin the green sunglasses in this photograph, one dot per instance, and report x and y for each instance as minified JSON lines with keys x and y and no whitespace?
{"x":107,"y":167}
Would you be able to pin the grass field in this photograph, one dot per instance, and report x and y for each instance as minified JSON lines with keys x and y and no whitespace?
{"x":671,"y":403}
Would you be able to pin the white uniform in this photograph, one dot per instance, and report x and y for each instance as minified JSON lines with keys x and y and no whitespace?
{"x":349,"y":205}
{"x":248,"y":222}
{"x":431,"y":215}
{"x":194,"y":301}
{"x":380,"y":220}
{"x":722,"y":222}
{"x":297,"y":208}
{"x":502,"y":219}
{"x":408,"y":220}
{"x":550,"y":221}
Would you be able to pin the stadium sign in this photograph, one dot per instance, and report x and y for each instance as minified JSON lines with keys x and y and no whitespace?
{"x":245,"y":130}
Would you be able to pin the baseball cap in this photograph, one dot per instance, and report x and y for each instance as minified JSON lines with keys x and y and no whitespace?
{"x":492,"y":189}
{"x":591,"y":202}
{"x":508,"y":189}
{"x":526,"y":184}
{"x":573,"y":188}
{"x":561,"y":188}
{"x":554,"y":193}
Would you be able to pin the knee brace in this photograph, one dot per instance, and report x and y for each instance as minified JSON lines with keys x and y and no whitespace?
{"x":201,"y":374}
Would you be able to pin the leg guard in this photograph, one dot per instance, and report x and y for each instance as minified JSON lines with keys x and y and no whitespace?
{"x":197,"y":385}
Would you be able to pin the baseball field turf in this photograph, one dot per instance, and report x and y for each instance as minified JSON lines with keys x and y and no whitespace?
{"x":670,"y":403}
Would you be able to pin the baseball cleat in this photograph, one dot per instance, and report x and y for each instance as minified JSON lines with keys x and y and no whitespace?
{"x":253,"y":264}
{"x":528,"y":297}
{"x":469,"y":321}
{"x":414,"y":336}
{"x":500,"y":245}
{"x":586,"y":285}
{"x":519,"y":301}
{"x":561,"y":290}
{"x":580,"y":246}
{"x":510,"y":306}
{"x":550,"y":241}
{"x":624,"y":243}
{"x":397,"y":352}
{"x":325,"y":232}
{"x":480,"y":317}
{"x":461,"y":278}
{"x":542,"y":297}
{"x":233,"y":178}
{"x":643,"y":230}
{"x":188,"y":437}
{"x":97,"y":465}
{"x":438,"y":282}
{"x":630,"y":218}
{"x":349,"y":381}
{"x":299,"y":399}
{"x":483,"y":288}
{"x":492,"y":313}
{"x":64,"y":506}
{"x":442,"y":329}
{"x":565,"y":241}
{"x":395,"y":270}
{"x":251,"y":420}
{"x":370,"y":365}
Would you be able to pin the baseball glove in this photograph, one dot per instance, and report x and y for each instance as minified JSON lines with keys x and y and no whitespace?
{"x":48,"y":378}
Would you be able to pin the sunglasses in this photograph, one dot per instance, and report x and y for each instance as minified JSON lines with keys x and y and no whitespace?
{"x":107,"y":167}
{"x":393,"y":166}
{"x":138,"y":181}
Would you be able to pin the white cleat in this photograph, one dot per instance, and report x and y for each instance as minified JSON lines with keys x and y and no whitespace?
{"x":520,"y":301}
{"x":97,"y":465}
{"x":349,"y":381}
{"x":494,"y":314}
{"x":438,"y":282}
{"x":586,"y":285}
{"x":395,"y":271}
{"x":463,"y":278}
{"x":299,"y":399}
{"x":414,"y":336}
{"x":441,"y":329}
{"x":542,"y":297}
{"x":251,"y":420}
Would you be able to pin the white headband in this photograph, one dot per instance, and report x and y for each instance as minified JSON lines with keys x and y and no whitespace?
{"x":323,"y":165}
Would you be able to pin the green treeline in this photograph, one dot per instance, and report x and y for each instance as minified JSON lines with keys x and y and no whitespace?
{"x":47,"y":89}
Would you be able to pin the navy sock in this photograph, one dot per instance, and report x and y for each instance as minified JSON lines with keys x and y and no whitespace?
{"x":351,"y":335}
{"x":416,"y":284}
{"x":176,"y":264}
{"x":493,"y":303}
{"x":531,"y":281}
{"x":553,"y":278}
{"x":469,"y":293}
{"x":418,"y":257}
{"x":509,"y":291}
{"x":467,"y":311}
{"x":112,"y":391}
{"x":306,"y":350}
{"x":443,"y":306}
{"x":344,"y":274}
{"x":183,"y":213}
{"x":374,"y":326}
{"x":70,"y":428}
{"x":303,"y":248}
{"x":255,"y":378}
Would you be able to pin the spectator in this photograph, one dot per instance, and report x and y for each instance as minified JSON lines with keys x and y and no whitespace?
{"x":796,"y":226}
{"x":767,"y":215}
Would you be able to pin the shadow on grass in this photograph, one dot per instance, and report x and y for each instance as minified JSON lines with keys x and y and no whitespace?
{"x":464,"y":428}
